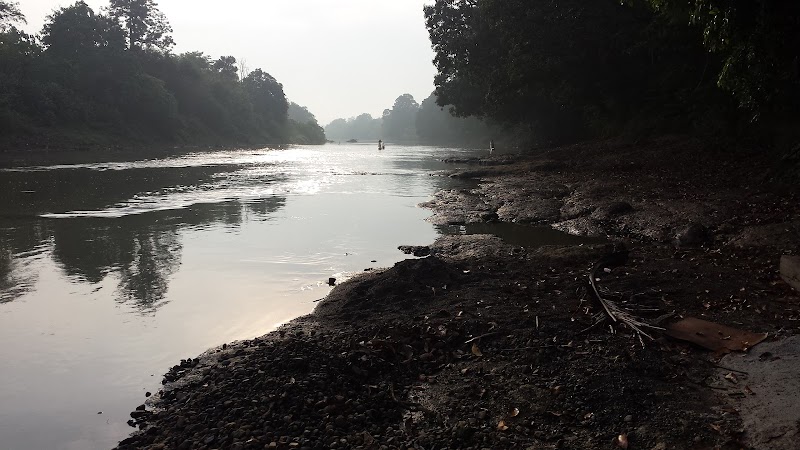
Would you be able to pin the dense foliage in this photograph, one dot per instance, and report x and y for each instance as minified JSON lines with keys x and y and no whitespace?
{"x":573,"y":69}
{"x":112,"y":78}
{"x":758,"y":42}
{"x":303,"y":126}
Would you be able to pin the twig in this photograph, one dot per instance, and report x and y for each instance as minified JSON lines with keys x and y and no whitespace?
{"x":518,"y":349}
{"x":483,"y":336}
{"x":599,"y":321}
{"x":728,"y":368}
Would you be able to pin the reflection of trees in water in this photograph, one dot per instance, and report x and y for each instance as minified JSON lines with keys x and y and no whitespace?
{"x":144,"y":249}
{"x":141,"y":250}
{"x":20,"y":241}
{"x":262,"y":208}
{"x":11,"y":285}
{"x":155,"y":257}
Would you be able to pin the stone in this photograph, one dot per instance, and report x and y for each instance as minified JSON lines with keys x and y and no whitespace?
{"x":416,"y":250}
{"x":790,"y":270}
{"x":612,"y":209}
{"x":694,"y":234}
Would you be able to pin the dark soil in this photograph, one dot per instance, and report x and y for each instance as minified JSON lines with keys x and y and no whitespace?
{"x":488,"y":345}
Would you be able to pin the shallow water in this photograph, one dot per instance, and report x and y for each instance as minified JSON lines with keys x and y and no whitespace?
{"x":112,"y":272}
{"x":523,"y":235}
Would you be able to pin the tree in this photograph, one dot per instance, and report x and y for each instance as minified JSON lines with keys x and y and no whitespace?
{"x":435,"y":125}
{"x":9,"y":15}
{"x":569,"y":68}
{"x":269,"y":102}
{"x":227,"y":68}
{"x":758,"y":41}
{"x":76,"y":29}
{"x":146,"y":27}
{"x":300,"y":114}
{"x":399,"y":123}
{"x":363,"y":128}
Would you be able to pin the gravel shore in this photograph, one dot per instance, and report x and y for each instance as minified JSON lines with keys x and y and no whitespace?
{"x":487,"y":344}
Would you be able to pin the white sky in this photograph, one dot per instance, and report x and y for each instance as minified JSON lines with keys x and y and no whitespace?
{"x":340,"y":58}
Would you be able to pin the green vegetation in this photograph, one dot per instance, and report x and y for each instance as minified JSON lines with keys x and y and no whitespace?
{"x":111,"y":78}
{"x":572,"y":69}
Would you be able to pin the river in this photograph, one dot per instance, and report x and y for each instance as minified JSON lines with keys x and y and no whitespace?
{"x":110,"y":273}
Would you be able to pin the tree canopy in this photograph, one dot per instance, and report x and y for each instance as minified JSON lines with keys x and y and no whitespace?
{"x":573,"y":69}
{"x":111,"y":77}
{"x":146,"y":27}
{"x":399,"y":122}
{"x":10,"y":14}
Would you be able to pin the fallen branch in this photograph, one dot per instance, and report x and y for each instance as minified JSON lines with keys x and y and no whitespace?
{"x":615,"y":312}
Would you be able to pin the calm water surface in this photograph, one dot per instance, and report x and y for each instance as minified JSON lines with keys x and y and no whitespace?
{"x":112,"y":272}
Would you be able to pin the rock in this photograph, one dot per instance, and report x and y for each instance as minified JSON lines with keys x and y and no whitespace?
{"x":790,"y":270}
{"x":416,"y":250}
{"x":611,"y":210}
{"x":693,"y":235}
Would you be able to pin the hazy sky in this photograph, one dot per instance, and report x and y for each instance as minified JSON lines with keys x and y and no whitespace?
{"x":339,"y":58}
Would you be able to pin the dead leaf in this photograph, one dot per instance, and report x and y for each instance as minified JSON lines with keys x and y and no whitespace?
{"x":514,"y":412}
{"x":713,"y":336}
{"x":621,"y":440}
{"x":475,"y":350}
{"x":732,"y":378}
{"x":502,"y":426}
{"x":749,"y":391}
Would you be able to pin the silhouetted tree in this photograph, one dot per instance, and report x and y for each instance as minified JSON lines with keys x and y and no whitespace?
{"x":10,"y":15}
{"x":758,"y":41}
{"x":435,"y":125}
{"x":226,"y":67}
{"x":300,"y":114}
{"x":399,"y":123}
{"x":269,"y":102}
{"x":147,"y":28}
{"x":571,"y":68}
{"x":73,"y":31}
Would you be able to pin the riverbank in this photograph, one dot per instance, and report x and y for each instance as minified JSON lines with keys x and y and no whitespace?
{"x":489,"y":345}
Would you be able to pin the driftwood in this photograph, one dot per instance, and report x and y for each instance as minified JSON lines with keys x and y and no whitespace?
{"x":611,"y":309}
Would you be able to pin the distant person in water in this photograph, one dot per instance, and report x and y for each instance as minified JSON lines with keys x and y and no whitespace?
{"x":380,"y":144}
{"x":491,"y":146}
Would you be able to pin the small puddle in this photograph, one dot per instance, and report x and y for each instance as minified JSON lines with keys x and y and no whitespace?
{"x":523,"y":235}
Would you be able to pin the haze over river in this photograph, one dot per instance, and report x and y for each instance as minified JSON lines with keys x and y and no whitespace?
{"x":110,"y":273}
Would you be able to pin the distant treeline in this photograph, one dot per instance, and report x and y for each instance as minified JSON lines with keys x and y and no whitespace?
{"x":576,"y":69}
{"x":409,"y":122}
{"x":110,"y":77}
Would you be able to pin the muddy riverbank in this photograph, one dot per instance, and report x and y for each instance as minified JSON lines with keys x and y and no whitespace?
{"x":484,"y":344}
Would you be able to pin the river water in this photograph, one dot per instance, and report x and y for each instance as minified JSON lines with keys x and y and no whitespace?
{"x":110,"y":273}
